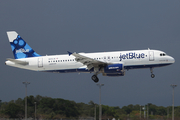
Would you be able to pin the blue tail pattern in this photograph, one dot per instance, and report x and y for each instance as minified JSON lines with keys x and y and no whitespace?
{"x":21,"y":49}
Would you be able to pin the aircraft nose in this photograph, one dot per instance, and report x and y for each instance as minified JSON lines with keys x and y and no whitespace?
{"x":172,"y":60}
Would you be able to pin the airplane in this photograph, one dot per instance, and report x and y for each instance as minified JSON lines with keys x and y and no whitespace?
{"x":108,"y":63}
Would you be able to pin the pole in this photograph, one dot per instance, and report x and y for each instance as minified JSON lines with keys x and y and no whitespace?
{"x":26,"y":83}
{"x":167,"y":112}
{"x":144,"y":112}
{"x":147,"y":111}
{"x":35,"y":110}
{"x":100,"y":110}
{"x":173,"y":86}
{"x":95,"y":113}
{"x":140,"y":112}
{"x":100,"y":104}
{"x":173,"y":106}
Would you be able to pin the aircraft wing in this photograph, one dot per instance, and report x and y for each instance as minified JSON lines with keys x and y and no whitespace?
{"x":18,"y":61}
{"x":89,"y":62}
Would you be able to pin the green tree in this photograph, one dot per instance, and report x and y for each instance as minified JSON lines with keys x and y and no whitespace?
{"x":19,"y":101}
{"x":50,"y":108}
{"x":84,"y":109}
{"x":153,"y":109}
{"x":177,"y":111}
{"x":91,"y":108}
{"x":161,"y":111}
{"x":58,"y":106}
{"x":13,"y":110}
{"x":127,"y":109}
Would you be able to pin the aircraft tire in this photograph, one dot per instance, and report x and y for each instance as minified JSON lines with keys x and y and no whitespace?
{"x":152,"y":75}
{"x":95,"y":78}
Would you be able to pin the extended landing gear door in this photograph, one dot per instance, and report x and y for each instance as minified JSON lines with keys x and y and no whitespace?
{"x":40,"y":62}
{"x":151,"y":55}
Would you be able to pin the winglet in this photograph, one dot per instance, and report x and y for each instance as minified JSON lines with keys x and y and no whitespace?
{"x":69,"y":53}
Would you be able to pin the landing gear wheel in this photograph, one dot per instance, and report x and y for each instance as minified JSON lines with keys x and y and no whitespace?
{"x":152,"y":75}
{"x":95,"y":78}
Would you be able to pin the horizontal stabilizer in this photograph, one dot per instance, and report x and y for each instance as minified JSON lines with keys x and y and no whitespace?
{"x":18,"y":61}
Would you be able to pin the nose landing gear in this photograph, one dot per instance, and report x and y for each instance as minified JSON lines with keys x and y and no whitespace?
{"x":152,"y":75}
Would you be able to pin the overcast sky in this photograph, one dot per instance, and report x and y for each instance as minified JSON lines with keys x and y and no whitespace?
{"x":55,"y":27}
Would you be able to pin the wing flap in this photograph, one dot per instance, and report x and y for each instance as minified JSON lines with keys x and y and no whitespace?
{"x":89,"y":62}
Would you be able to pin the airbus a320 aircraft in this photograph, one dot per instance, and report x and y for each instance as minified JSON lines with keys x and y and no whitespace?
{"x":108,"y":63}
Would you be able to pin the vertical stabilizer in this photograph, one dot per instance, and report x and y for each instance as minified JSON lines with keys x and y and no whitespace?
{"x":19,"y":47}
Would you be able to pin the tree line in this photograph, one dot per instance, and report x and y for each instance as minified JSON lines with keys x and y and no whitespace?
{"x":57,"y":108}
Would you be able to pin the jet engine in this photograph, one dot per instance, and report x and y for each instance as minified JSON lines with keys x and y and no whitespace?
{"x":113,"y":70}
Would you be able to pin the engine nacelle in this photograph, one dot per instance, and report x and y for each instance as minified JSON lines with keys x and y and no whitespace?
{"x":114,"y":68}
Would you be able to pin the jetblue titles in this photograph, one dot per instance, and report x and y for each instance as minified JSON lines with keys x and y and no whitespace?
{"x":22,"y":50}
{"x":131,"y":55}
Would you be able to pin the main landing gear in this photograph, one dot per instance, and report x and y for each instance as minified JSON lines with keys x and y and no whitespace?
{"x":152,"y":75}
{"x":96,"y":72}
{"x":95,"y":78}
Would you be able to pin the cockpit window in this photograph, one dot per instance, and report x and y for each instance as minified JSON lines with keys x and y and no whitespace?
{"x":162,"y":54}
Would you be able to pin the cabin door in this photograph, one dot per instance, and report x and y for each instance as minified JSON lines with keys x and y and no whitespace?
{"x":151,"y":55}
{"x":40,"y":62}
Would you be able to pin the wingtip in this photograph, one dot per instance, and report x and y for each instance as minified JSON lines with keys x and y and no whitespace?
{"x":69,"y":53}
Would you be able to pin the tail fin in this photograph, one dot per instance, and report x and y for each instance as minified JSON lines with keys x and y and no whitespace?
{"x":19,"y":47}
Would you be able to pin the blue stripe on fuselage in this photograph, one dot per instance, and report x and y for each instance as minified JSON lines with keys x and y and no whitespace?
{"x":92,"y":70}
{"x":71,"y":71}
{"x":145,"y":66}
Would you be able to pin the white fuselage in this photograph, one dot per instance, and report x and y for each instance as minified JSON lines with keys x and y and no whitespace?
{"x":64,"y":63}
